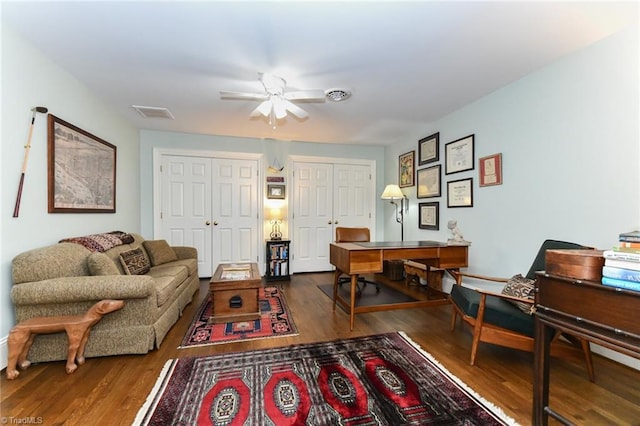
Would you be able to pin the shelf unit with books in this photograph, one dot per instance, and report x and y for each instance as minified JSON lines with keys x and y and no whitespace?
{"x":277,"y":260}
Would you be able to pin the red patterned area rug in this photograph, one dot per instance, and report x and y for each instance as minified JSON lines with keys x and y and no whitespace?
{"x":383,"y":379}
{"x":276,"y":321}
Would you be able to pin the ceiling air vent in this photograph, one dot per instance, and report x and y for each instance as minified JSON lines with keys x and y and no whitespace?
{"x":153,"y":112}
{"x":337,"y":95}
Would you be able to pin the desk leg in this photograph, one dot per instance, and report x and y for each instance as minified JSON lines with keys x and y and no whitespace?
{"x":336,"y":276}
{"x":354,"y":288}
{"x":541,"y":373}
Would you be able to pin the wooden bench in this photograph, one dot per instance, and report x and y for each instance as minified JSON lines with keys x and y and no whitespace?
{"x":416,"y":269}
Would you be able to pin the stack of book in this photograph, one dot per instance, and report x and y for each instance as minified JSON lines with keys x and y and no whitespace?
{"x":622,"y":263}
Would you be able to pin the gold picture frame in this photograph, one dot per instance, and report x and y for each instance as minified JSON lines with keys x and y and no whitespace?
{"x":406,"y":167}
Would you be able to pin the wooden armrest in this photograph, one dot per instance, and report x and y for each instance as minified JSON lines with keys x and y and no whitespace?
{"x":505,"y":296}
{"x":458,"y":277}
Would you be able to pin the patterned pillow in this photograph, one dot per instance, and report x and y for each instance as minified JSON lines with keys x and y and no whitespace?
{"x":159,"y":251}
{"x":135,"y":262}
{"x":519,"y":286}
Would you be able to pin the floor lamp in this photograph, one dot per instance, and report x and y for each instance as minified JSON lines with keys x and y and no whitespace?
{"x":393,"y":193}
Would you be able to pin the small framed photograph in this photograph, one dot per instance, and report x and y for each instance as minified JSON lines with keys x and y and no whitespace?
{"x":460,"y":193}
{"x":275,"y":192}
{"x":429,"y":182}
{"x":81,"y":170}
{"x":429,"y":149}
{"x":491,"y":170}
{"x":429,"y":216}
{"x":459,"y":155}
{"x":407,"y":162}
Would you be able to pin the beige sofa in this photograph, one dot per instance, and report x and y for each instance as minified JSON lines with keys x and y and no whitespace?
{"x":67,"y":278}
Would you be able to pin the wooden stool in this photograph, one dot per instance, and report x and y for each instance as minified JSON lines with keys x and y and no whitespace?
{"x":415,"y":270}
{"x":77,"y":327}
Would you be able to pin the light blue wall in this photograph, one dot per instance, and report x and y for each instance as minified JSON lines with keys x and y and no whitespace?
{"x":271,"y":150}
{"x":30,"y":79}
{"x":570,"y":143}
{"x":569,"y":138}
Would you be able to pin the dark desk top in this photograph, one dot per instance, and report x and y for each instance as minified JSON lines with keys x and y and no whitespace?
{"x":401,"y":244}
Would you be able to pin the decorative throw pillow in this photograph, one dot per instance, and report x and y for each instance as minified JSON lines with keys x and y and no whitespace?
{"x":135,"y":262}
{"x":101,"y":264}
{"x":159,"y":251}
{"x":519,"y":286}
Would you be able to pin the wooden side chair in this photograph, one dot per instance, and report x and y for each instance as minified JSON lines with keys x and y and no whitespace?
{"x":355,"y":235}
{"x":496,"y":319}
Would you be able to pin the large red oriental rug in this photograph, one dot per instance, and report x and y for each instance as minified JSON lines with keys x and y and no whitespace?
{"x":376,"y":380}
{"x":275,"y":321}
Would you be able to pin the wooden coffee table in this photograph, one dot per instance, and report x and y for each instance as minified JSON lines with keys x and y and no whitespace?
{"x":234,"y":290}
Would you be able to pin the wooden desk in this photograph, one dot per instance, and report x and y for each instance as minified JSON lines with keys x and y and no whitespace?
{"x":604,"y":315}
{"x":366,"y":258}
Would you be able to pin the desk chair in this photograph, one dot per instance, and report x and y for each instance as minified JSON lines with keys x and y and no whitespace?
{"x":496,"y":319}
{"x":355,"y":235}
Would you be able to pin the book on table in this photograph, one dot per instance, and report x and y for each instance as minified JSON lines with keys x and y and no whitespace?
{"x":621,"y":274}
{"x":632,"y":236}
{"x":621,"y":255}
{"x":623,"y":264}
{"x":236,"y":271}
{"x":623,"y":284}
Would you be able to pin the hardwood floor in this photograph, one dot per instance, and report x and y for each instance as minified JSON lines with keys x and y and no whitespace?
{"x":110,"y":390}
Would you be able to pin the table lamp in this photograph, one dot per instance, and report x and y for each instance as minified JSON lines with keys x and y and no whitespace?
{"x":276,"y":220}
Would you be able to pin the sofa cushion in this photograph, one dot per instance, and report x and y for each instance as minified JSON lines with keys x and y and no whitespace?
{"x":135,"y":262}
{"x":165,"y":288}
{"x":519,"y":286}
{"x":101,"y":264}
{"x":159,"y":251}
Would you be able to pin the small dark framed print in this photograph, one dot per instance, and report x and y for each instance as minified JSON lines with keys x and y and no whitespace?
{"x":429,"y":216}
{"x":429,"y":182}
{"x":459,"y":155}
{"x":275,"y":191}
{"x":429,"y":149}
{"x":460,"y":193}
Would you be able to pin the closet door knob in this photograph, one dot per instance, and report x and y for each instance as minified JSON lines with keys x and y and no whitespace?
{"x":208,"y":223}
{"x":215,"y":223}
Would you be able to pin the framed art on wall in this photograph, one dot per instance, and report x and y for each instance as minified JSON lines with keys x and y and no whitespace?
{"x":460,"y":193}
{"x":275,"y":192}
{"x":490,"y":170}
{"x":429,"y":216}
{"x":406,"y":167}
{"x":459,"y":155}
{"x":429,"y":182}
{"x":81,"y":170}
{"x":429,"y":149}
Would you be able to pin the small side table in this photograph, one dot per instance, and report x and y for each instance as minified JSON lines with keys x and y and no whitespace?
{"x":234,"y":291}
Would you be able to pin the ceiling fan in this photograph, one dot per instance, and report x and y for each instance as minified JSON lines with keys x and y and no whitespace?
{"x":276,"y":102}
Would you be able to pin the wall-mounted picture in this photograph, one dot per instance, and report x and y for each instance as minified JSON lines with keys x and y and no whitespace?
{"x":459,"y":155}
{"x":275,"y":191}
{"x":429,"y":216}
{"x":429,"y":149}
{"x":429,"y":182}
{"x":490,"y":170}
{"x":460,"y":193}
{"x":406,"y":166}
{"x":81,"y":170}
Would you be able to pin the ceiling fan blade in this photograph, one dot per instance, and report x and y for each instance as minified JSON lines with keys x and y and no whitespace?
{"x":264,"y":108}
{"x":242,"y":95}
{"x":306,"y":95}
{"x":295,"y":109}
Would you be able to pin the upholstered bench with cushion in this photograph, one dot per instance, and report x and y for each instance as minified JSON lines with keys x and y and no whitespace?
{"x":154,"y":280}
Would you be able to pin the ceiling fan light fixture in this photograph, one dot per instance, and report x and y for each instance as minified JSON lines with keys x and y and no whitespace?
{"x":337,"y":95}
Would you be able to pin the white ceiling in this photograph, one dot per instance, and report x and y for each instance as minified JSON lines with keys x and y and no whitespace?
{"x":407,"y":63}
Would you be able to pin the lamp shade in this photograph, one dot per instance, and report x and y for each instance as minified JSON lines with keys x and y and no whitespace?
{"x":275,"y":214}
{"x":392,"y":192}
